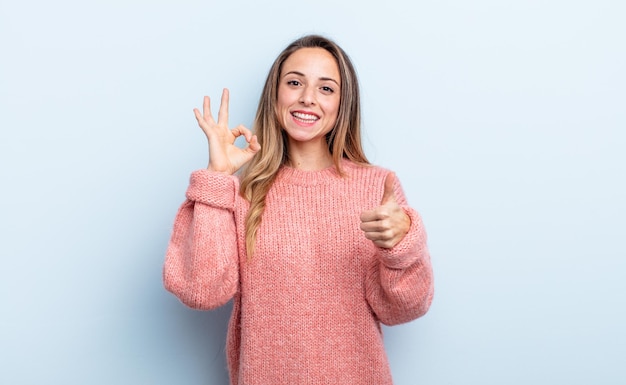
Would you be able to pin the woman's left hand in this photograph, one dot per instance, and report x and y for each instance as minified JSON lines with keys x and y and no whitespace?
{"x":387,"y":224}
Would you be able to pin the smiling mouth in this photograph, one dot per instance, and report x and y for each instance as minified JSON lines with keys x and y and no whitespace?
{"x":305,"y":118}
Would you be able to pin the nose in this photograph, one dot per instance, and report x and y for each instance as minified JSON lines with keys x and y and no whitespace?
{"x":307,"y":97}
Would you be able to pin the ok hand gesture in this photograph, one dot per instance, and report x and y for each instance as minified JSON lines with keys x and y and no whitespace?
{"x":387,"y":224}
{"x":224,"y":156}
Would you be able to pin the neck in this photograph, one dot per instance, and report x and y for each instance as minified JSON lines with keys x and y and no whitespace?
{"x":309,"y":156}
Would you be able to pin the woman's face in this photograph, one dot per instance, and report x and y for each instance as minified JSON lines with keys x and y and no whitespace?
{"x":309,"y":95}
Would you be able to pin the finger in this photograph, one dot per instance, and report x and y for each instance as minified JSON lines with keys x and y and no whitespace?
{"x":379,"y":236}
{"x":242,"y":130}
{"x":378,"y":214}
{"x":373,"y":227}
{"x":254,"y":145}
{"x":222,"y":115}
{"x":369,"y":216}
{"x":386,"y":238}
{"x":389,"y":194}
{"x":370,"y":235}
{"x":206,"y":109}
{"x":386,"y":243}
{"x":197,"y":114}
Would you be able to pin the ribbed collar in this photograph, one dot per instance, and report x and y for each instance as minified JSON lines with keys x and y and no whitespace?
{"x":294,"y":176}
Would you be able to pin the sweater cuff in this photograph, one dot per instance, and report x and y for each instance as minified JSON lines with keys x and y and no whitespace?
{"x":213,"y":189}
{"x":409,"y":249}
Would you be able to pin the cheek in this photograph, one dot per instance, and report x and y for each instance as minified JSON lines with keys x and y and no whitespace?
{"x":333,"y":108}
{"x":282,"y":109}
{"x":284,"y":99}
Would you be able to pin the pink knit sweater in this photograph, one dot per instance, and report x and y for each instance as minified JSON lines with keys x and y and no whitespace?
{"x":308,"y":305}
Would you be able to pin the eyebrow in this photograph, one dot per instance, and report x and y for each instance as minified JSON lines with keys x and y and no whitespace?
{"x":303,"y":75}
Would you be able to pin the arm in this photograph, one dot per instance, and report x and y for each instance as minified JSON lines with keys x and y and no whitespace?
{"x":201,"y":263}
{"x":399,"y":283}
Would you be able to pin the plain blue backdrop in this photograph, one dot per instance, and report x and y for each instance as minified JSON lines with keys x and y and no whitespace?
{"x":504,"y":120}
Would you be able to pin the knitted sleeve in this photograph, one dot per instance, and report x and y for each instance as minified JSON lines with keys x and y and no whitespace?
{"x":201,"y":263}
{"x":399,"y":285}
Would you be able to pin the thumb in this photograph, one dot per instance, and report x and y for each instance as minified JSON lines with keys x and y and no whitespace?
{"x":389,"y":194}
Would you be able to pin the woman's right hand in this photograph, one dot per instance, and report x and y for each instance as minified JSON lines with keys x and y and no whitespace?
{"x":224,"y":156}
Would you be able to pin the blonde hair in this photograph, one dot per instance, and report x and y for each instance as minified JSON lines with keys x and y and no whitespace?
{"x":344,"y":140}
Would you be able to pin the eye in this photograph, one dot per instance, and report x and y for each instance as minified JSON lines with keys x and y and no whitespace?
{"x":327,"y":89}
{"x":293,"y":83}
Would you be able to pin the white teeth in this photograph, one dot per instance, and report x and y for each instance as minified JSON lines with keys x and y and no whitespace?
{"x":302,"y":116}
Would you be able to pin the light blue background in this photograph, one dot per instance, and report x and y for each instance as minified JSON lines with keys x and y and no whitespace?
{"x":504,"y":121}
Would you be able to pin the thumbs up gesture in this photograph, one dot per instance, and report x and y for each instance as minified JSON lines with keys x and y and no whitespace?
{"x":387,"y":224}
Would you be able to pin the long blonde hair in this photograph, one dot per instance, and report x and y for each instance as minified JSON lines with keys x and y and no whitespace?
{"x":344,"y":140}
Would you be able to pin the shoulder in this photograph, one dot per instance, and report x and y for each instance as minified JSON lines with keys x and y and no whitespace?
{"x":371,"y":178}
{"x":359,"y":170}
{"x":364,"y":179}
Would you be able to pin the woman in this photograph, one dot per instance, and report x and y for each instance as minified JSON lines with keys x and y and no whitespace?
{"x":315,"y":246}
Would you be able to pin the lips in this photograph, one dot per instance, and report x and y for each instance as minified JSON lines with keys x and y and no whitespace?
{"x":305,"y":117}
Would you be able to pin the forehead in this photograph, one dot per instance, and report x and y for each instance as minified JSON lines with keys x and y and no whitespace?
{"x":314,"y":62}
